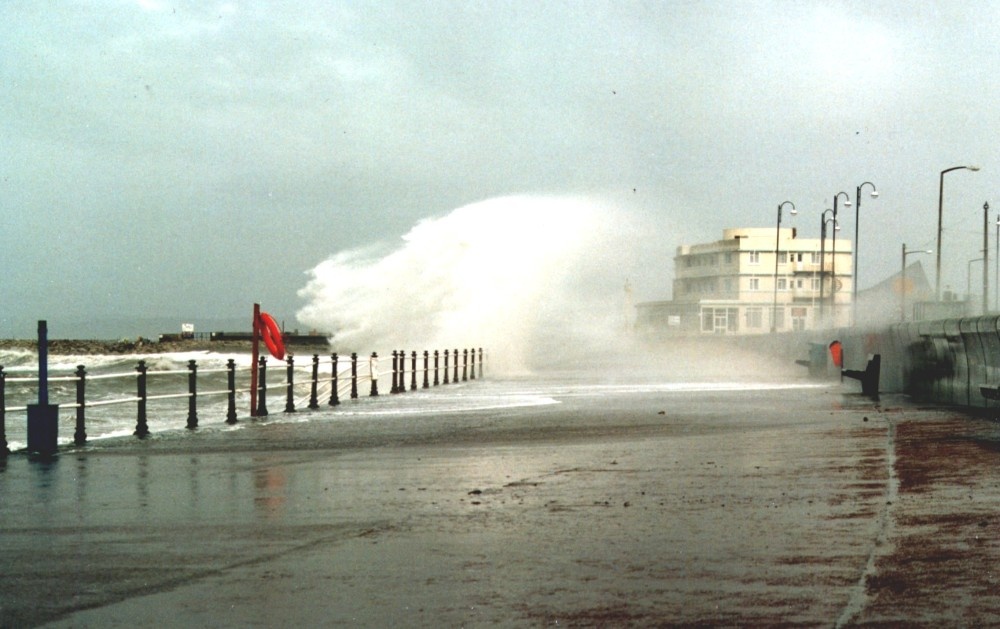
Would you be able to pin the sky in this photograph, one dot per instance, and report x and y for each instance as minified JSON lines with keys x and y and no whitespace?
{"x":181,"y":160}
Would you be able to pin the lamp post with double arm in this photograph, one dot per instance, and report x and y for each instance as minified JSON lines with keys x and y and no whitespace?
{"x":833,"y":264}
{"x":857,"y":246}
{"x":777,"y":251}
{"x":824,"y":221}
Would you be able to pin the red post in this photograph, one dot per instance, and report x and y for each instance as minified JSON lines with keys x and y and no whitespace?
{"x":253,"y":362}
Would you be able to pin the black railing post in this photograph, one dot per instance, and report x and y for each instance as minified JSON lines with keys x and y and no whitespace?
{"x":427,"y":369}
{"x":413,"y":370}
{"x":141,"y":427}
{"x":436,"y":381}
{"x":314,"y":387}
{"x":373,"y":372}
{"x":354,"y":375}
{"x":334,"y":394}
{"x":455,"y":379}
{"x":402,"y":371}
{"x":395,"y":372}
{"x":465,"y":365}
{"x":262,"y":386}
{"x":192,"y":395}
{"x":231,"y":375}
{"x":472,"y":364}
{"x":480,"y":363}
{"x":289,"y":394}
{"x":4,"y":448}
{"x":446,"y":370}
{"x":80,"y":436}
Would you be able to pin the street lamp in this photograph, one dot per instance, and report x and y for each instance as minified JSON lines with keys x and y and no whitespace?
{"x":986,"y":258}
{"x":833,"y":266}
{"x":822,"y":256}
{"x":857,"y":246}
{"x":996,"y":263}
{"x":968,"y":281}
{"x":777,"y":232}
{"x":903,"y":287}
{"x":937,"y":279}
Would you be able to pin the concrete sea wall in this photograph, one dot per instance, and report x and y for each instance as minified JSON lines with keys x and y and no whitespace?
{"x":946,"y":361}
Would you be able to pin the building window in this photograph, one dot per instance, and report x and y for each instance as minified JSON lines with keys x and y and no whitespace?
{"x":754,"y":257}
{"x":814,"y":258}
{"x":720,"y":320}
{"x":754,"y":283}
{"x":728,"y":257}
{"x":782,"y":283}
{"x":755,"y":317}
{"x":815,"y":283}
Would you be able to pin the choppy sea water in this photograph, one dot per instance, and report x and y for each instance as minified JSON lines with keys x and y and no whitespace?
{"x":112,"y":408}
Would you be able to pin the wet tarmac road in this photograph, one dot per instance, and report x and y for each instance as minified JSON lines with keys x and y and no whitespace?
{"x":766,"y":508}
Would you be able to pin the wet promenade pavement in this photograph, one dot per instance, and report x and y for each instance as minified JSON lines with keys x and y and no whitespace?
{"x":752,"y":508}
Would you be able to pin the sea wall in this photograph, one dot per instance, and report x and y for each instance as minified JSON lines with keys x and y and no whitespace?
{"x":945,"y":361}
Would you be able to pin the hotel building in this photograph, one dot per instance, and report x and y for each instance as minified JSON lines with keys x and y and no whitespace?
{"x":733,"y":286}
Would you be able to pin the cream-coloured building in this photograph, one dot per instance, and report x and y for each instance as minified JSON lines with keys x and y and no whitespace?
{"x":732,"y":286}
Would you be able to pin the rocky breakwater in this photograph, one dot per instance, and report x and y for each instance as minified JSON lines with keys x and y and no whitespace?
{"x":84,"y":347}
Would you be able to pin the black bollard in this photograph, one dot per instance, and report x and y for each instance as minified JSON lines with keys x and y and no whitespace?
{"x":43,"y":418}
{"x":354,"y":375}
{"x":455,"y":379}
{"x":373,"y":370}
{"x":465,"y":365}
{"x":446,"y":366}
{"x":314,"y":386}
{"x":334,"y":394}
{"x":4,"y":446}
{"x":262,"y":387}
{"x":427,"y":369}
{"x":80,"y":435}
{"x":472,"y":358}
{"x":231,"y":375}
{"x":289,"y":392}
{"x":480,"y":363}
{"x":141,"y":427}
{"x":192,"y":422}
{"x":413,"y":371}
{"x":436,"y":381}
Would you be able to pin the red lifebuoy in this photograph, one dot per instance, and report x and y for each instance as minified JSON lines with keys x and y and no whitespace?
{"x":271,"y":335}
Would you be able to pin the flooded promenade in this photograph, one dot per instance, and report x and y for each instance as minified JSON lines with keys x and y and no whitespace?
{"x":613,"y":505}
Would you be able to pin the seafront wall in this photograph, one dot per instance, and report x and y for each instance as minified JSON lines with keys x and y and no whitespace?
{"x":945,"y":361}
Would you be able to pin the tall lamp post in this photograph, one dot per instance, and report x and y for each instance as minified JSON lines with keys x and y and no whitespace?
{"x":968,"y":280}
{"x":986,"y":259}
{"x":903,"y":287}
{"x":937,"y":278}
{"x":777,"y":243}
{"x":822,"y":257}
{"x":833,"y":265}
{"x":857,"y":246}
{"x":996,"y":262}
